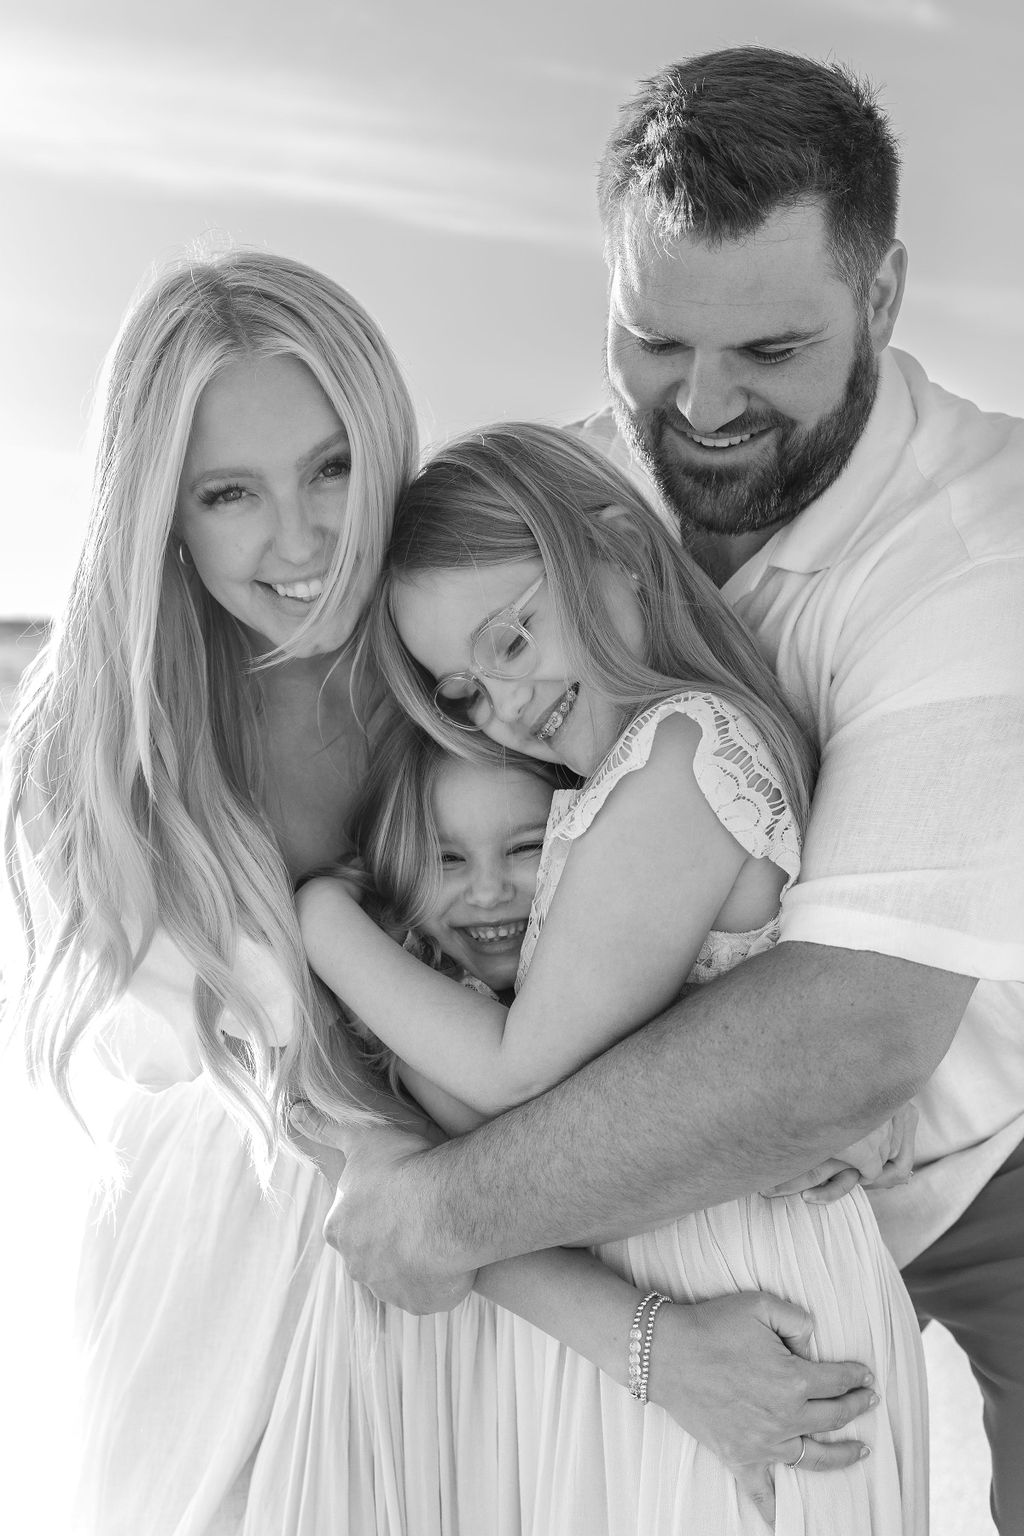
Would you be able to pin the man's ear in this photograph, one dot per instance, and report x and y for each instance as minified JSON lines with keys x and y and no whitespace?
{"x":886,"y":295}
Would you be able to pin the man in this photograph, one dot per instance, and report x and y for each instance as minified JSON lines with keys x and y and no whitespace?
{"x":865,"y":525}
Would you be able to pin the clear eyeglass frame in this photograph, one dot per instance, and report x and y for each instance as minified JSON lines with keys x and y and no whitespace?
{"x":503,"y":649}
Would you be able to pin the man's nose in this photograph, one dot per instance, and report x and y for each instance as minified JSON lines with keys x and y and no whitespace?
{"x":708,"y":395}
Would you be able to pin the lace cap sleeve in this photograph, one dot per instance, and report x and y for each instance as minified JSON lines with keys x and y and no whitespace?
{"x":733,"y":770}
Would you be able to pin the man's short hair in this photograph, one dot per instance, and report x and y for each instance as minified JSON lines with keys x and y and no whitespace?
{"x":711,"y":147}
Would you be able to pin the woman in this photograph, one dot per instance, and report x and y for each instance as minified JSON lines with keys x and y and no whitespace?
{"x":189,"y":743}
{"x":165,"y":793}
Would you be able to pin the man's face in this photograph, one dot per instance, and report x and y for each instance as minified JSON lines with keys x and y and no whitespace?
{"x":742,"y":374}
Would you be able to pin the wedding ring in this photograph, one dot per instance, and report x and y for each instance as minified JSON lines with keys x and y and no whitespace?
{"x":803,"y":1449}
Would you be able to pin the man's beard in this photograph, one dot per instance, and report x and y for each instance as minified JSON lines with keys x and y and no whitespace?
{"x":803,"y":464}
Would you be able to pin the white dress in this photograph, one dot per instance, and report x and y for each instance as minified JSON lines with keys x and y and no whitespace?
{"x":190,"y":1285}
{"x":475,"y":1424}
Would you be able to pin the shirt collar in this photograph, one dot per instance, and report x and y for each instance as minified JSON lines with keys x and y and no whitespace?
{"x":819,"y":534}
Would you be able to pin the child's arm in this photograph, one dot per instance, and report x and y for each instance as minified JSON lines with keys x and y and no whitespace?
{"x":638,"y":896}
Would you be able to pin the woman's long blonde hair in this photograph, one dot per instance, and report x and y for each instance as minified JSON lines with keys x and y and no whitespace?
{"x":517,"y":491}
{"x":135,"y":737}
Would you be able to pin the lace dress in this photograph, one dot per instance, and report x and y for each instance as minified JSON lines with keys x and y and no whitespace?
{"x":475,"y":1424}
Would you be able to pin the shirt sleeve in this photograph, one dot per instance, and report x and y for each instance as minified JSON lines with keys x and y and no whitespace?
{"x":916,"y":841}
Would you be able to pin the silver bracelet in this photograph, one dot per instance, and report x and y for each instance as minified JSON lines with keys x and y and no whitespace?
{"x":641,"y":1338}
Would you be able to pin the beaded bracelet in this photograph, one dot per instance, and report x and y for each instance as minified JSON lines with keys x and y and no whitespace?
{"x":640,"y":1340}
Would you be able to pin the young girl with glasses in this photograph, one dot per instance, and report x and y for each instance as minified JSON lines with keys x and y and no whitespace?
{"x":531,"y":597}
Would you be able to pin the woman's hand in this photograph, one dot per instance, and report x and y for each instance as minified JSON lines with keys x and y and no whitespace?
{"x":879,"y":1160}
{"x":734,"y":1373}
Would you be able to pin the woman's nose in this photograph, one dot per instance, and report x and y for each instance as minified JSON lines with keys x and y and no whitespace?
{"x":297,"y":538}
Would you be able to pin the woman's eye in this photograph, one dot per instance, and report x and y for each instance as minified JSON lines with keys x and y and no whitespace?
{"x":220,"y":495}
{"x":527,"y":850}
{"x":335,"y":469}
{"x":451,"y":860}
{"x":515,"y":647}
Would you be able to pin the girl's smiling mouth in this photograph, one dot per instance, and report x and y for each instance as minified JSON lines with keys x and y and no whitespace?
{"x":558,"y":716}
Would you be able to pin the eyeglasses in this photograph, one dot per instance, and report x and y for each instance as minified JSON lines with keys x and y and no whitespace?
{"x":502,"y":648}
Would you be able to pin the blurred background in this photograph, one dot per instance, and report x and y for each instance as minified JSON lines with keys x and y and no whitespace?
{"x":438,"y":161}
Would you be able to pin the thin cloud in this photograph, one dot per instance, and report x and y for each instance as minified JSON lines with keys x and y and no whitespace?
{"x":190,"y":126}
{"x":926,"y":15}
{"x":995,"y":307}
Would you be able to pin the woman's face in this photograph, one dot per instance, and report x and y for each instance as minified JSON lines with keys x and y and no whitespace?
{"x":263,"y":497}
{"x":490,"y":825}
{"x":548,"y":714}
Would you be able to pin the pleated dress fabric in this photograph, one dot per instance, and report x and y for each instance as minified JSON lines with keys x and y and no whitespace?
{"x":475,"y":1424}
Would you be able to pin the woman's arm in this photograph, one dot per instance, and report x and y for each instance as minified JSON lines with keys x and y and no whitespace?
{"x":638,"y":896}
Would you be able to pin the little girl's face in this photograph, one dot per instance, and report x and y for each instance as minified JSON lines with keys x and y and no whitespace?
{"x":548,"y":713}
{"x":490,"y":824}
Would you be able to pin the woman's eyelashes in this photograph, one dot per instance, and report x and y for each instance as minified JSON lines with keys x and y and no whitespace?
{"x":233,"y":491}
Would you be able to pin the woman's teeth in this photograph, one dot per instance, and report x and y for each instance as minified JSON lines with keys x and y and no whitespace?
{"x":305,"y":591}
{"x":556,"y":719}
{"x":491,"y":933}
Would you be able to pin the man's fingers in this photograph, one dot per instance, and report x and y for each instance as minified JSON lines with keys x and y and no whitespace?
{"x":834,"y":1188}
{"x":756,"y":1483}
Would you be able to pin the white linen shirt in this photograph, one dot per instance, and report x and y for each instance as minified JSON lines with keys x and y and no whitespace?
{"x":893,"y":611}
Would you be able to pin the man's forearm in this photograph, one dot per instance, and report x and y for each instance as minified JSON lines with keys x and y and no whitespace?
{"x":745,"y":1083}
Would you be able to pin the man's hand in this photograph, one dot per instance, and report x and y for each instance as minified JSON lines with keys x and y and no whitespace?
{"x":735,"y":1373}
{"x":879,"y":1160}
{"x":374,"y":1221}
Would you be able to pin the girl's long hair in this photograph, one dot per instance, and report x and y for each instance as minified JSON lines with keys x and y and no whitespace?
{"x":517,"y":491}
{"x":133,"y":757}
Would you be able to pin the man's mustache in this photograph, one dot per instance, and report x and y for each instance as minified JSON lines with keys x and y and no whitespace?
{"x":661,"y":419}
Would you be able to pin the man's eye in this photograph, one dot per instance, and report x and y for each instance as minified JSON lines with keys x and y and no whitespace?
{"x":646,"y":344}
{"x":770,"y":358}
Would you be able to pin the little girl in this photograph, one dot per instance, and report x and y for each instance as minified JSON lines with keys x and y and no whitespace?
{"x":447,"y":855}
{"x":532,"y":597}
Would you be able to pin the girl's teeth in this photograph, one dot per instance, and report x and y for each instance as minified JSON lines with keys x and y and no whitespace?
{"x":556,"y":719}
{"x":495,"y":931}
{"x":306,"y":591}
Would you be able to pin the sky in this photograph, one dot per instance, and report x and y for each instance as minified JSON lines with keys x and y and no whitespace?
{"x":439,"y":162}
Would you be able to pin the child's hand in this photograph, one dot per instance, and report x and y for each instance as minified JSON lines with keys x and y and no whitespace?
{"x":878,"y":1161}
